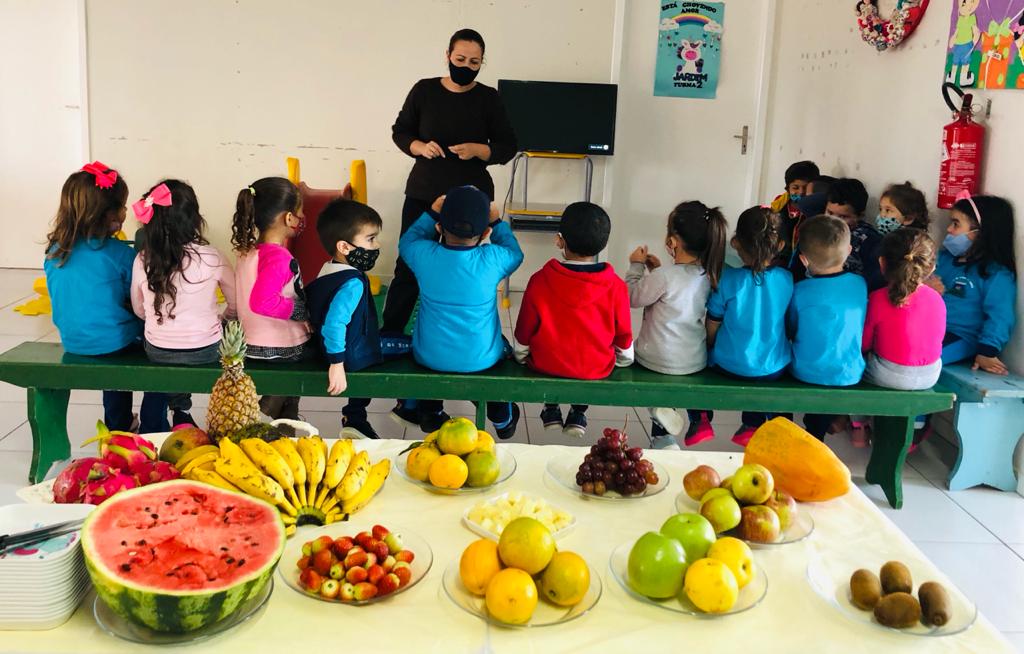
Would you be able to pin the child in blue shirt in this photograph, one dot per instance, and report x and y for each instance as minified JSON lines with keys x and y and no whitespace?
{"x":457,"y":328}
{"x":847,"y":200}
{"x":89,"y":275}
{"x":747,"y":312}
{"x":341,"y":306}
{"x":826,"y":315}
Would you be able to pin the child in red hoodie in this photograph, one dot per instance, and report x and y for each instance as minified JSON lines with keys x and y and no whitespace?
{"x":574,"y":321}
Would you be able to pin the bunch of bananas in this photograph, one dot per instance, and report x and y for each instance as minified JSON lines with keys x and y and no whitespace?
{"x":305,"y":481}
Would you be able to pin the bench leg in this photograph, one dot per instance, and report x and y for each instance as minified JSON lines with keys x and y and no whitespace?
{"x":986,"y":435}
{"x":48,"y":417}
{"x":893,"y":435}
{"x":481,"y":416}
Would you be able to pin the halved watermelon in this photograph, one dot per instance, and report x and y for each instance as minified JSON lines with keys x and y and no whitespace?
{"x":179,"y":555}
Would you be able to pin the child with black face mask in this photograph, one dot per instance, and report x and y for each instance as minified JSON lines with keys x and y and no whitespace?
{"x":341,"y":307}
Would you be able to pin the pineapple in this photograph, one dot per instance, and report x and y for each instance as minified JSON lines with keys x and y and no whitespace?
{"x":233,"y":402}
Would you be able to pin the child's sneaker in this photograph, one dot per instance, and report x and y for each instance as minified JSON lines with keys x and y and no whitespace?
{"x":407,"y":417}
{"x":575,"y":424}
{"x":431,"y":422}
{"x":669,"y":419}
{"x":551,"y":416}
{"x":355,"y":428}
{"x":743,"y":435}
{"x":181,"y":420}
{"x":661,"y":439}
{"x":699,"y":431}
{"x":859,"y":434}
{"x":509,"y":430}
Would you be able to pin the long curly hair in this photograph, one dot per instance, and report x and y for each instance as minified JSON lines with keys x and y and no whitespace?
{"x":86,"y":211}
{"x":909,"y":255}
{"x":170,"y":240}
{"x":258,"y":206}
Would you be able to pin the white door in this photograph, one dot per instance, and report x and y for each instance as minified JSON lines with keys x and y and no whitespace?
{"x":42,"y":130}
{"x":669,"y":150}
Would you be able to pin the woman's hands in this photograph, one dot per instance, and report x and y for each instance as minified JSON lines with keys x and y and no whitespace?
{"x":471,"y":150}
{"x":428,"y":150}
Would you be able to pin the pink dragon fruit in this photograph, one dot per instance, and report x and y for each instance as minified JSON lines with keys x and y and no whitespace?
{"x":104,"y":487}
{"x":154,"y":472}
{"x":69,"y":486}
{"x":122,"y":449}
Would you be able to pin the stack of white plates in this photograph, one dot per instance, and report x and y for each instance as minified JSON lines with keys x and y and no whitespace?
{"x":41,"y":585}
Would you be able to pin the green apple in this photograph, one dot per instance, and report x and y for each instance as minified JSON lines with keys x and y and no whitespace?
{"x":784,"y":506}
{"x":657,"y":565}
{"x":700,"y":480}
{"x":715,"y":492}
{"x":693,"y":532}
{"x":759,"y":524}
{"x":752,"y":484}
{"x":723,"y":512}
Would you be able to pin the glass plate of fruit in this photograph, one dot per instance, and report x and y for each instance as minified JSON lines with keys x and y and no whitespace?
{"x":355,"y":563}
{"x":522,"y":581}
{"x":451,"y":474}
{"x":489,"y":517}
{"x":652,"y":569}
{"x":890,"y":594}
{"x":611,"y":470}
{"x":752,"y":510}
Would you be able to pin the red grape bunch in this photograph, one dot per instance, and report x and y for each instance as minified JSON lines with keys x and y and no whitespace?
{"x":614,"y":466}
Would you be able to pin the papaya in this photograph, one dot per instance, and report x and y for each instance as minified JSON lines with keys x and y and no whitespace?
{"x":802,"y":465}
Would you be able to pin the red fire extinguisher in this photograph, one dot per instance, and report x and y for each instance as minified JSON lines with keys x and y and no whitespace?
{"x":963,"y":145}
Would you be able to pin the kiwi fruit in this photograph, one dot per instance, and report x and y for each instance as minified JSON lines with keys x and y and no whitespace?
{"x":896,"y":578}
{"x":865,"y":589}
{"x":935,"y":603}
{"x":899,"y":610}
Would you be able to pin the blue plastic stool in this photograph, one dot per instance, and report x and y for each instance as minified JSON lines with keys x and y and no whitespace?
{"x":989,"y":420}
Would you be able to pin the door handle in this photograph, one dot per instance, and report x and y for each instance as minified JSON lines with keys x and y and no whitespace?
{"x":744,"y":137}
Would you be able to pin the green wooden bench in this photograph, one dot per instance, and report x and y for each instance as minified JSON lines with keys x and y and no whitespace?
{"x":49,"y":375}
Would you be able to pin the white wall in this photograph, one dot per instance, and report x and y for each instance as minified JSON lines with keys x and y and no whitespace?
{"x":879,"y":116}
{"x":220,"y":93}
{"x":41,"y":119}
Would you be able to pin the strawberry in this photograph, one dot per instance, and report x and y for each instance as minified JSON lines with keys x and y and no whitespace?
{"x":322,"y":562}
{"x":363,"y":539}
{"x":389,"y":584}
{"x":320,"y":543}
{"x":380,"y":548}
{"x":347,"y":592}
{"x":394,"y":543}
{"x":405,"y":555}
{"x":355,"y":558}
{"x":365,"y":591}
{"x":371,"y":559}
{"x":307,"y":548}
{"x":311,"y":580}
{"x":341,"y":546}
{"x":404,"y":574}
{"x":380,"y":531}
{"x":356,"y":575}
{"x":374,"y":574}
{"x":330,"y":588}
{"x":337,"y":571}
{"x":303,"y":563}
{"x":388,"y":563}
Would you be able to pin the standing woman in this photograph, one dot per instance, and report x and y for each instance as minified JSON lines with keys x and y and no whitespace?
{"x":454,"y":127}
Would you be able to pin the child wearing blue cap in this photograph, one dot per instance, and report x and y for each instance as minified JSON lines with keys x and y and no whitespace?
{"x":457,"y":328}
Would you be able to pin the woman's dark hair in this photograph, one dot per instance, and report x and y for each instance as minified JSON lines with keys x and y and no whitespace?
{"x":909,"y":255}
{"x":84,"y":213}
{"x":703,"y":231}
{"x":467,"y":34}
{"x":910,"y":202}
{"x":995,"y":231}
{"x":170,"y":235}
{"x":258,"y":206}
{"x":757,"y":232}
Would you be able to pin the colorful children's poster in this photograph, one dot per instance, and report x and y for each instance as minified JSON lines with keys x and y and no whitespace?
{"x":689,"y":49}
{"x":986,"y":44}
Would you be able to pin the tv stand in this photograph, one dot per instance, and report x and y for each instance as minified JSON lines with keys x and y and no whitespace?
{"x":541,"y":216}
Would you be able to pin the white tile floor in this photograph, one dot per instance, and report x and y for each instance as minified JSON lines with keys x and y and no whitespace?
{"x":976,"y":536}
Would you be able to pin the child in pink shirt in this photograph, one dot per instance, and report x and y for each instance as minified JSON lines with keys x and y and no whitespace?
{"x":271,"y":302}
{"x":174,"y":284}
{"x":906,"y":320}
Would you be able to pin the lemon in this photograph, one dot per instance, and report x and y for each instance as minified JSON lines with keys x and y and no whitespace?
{"x":417,"y":465}
{"x":478,"y":565}
{"x":511,"y":596}
{"x":448,"y":471}
{"x":566,"y":579}
{"x":527,"y":544}
{"x":711,"y":586}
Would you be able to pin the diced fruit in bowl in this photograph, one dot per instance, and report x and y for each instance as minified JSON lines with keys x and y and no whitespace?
{"x":493,"y":515}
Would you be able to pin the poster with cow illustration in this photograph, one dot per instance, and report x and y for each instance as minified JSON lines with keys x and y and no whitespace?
{"x":689,"y":49}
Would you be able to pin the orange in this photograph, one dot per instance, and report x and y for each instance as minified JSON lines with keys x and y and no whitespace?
{"x":448,"y":471}
{"x":511,"y":596}
{"x":566,"y":579}
{"x":478,"y":565}
{"x":483,"y":468}
{"x":527,"y":544}
{"x":484,"y":441}
{"x":457,"y":436}
{"x":417,"y":465}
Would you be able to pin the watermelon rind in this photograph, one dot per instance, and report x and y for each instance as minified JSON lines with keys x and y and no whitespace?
{"x":173,"y":611}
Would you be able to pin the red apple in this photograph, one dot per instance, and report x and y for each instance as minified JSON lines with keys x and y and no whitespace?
{"x":759,"y":524}
{"x":785,"y":506}
{"x":700,"y":480}
{"x":753,"y":484}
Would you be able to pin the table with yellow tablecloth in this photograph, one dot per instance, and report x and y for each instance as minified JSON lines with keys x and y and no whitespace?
{"x":791,"y":619}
